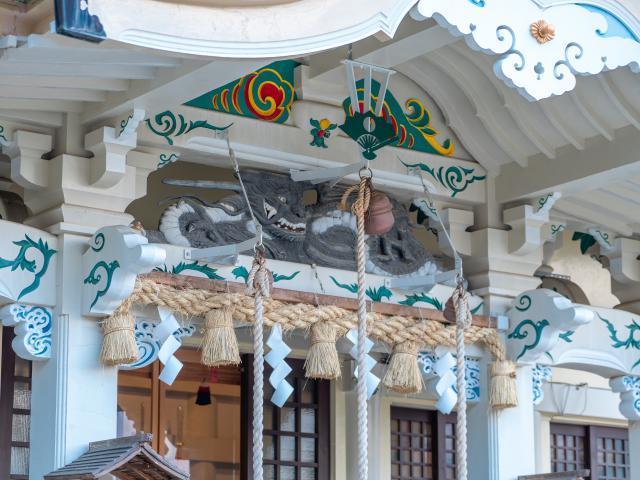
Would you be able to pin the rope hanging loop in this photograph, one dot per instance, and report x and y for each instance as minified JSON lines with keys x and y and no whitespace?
{"x":460,"y":300}
{"x":258,"y":286}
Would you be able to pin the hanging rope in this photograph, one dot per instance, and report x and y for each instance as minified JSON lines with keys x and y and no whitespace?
{"x":258,"y":282}
{"x":463,"y":321}
{"x":359,"y":209}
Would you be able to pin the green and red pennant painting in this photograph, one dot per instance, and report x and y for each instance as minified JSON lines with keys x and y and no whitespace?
{"x":266,"y":94}
{"x":412,"y":127}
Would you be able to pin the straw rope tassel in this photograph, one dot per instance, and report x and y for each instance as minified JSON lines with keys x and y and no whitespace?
{"x":119,"y":342}
{"x":259,"y":285}
{"x":359,"y":209}
{"x":463,"y":321}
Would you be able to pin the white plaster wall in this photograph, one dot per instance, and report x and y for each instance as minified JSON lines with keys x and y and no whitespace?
{"x":573,"y":397}
{"x":589,"y":274}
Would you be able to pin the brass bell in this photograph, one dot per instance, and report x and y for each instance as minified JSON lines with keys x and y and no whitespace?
{"x":380,"y":215}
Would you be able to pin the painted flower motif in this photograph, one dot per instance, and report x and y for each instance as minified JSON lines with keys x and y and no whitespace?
{"x":321,"y":130}
{"x":542,"y":31}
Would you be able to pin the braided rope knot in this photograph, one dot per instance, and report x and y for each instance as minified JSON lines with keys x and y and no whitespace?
{"x":360,"y":206}
{"x":461,"y":303}
{"x":260,"y":278}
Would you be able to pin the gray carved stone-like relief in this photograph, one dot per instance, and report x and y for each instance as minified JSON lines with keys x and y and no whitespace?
{"x":319,"y":233}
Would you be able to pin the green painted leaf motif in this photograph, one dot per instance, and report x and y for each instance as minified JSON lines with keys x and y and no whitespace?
{"x":630,"y":342}
{"x":167,"y":159}
{"x":241,"y":272}
{"x":566,"y":336}
{"x":314,"y":123}
{"x":477,"y":308}
{"x":197,"y":267}
{"x":98,"y":242}
{"x":352,"y":287}
{"x":524,"y":303}
{"x":279,"y":278}
{"x":21,"y":262}
{"x":520,"y":333}
{"x":124,"y":123}
{"x":413,"y":299}
{"x":586,"y":241}
{"x":94,"y":277}
{"x":454,"y":178}
{"x":167,"y":125}
{"x":377,"y":294}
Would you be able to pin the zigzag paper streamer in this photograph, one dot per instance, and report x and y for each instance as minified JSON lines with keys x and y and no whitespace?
{"x":275,"y":358}
{"x":169,"y":345}
{"x":444,"y":382}
{"x":372,"y":380}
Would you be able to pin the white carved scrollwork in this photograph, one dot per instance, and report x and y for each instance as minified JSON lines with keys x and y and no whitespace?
{"x":32,"y":326}
{"x":586,"y":41}
{"x":149,"y":345}
{"x":540,"y":374}
{"x":629,"y":389}
{"x":440,"y":378}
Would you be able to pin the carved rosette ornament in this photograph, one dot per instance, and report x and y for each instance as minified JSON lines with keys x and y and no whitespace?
{"x":542,"y":31}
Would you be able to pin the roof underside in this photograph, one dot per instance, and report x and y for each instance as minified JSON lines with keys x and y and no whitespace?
{"x":577,"y":138}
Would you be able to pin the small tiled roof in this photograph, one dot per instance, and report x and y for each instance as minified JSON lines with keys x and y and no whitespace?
{"x":128,"y":458}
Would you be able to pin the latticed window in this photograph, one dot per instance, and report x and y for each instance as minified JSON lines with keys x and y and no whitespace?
{"x":603,"y":450}
{"x":296,"y":436}
{"x":611,"y":453}
{"x":568,"y":447}
{"x":422,"y":445}
{"x":15,"y":409}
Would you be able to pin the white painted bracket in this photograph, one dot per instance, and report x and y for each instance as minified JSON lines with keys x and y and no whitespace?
{"x":545,"y":203}
{"x":127,"y":125}
{"x":629,"y":389}
{"x":604,"y":238}
{"x":115,"y":258}
{"x":539,"y":375}
{"x":224,"y":254}
{"x":455,"y":220}
{"x":32,"y":326}
{"x":624,"y":260}
{"x":109,"y":164}
{"x":536,"y":321}
{"x":28,"y":169}
{"x":526,"y":228}
{"x":552,"y":230}
{"x":326,"y":174}
{"x":425,"y":283}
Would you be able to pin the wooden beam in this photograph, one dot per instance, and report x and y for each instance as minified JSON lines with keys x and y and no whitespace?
{"x":599,"y":165}
{"x":94,"y":70}
{"x":96,"y":56}
{"x":171,"y":87}
{"x":110,"y":84}
{"x":292,"y":296}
